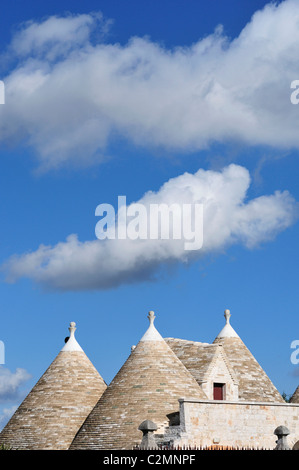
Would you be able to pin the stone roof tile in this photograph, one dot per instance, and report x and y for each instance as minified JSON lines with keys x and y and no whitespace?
{"x":198,"y":357}
{"x":254,"y":384}
{"x":148,"y":386}
{"x":295,"y":397}
{"x":57,"y":405}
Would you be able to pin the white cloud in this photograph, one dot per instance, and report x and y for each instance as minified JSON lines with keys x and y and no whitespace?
{"x":10,"y":383}
{"x":5,"y":415}
{"x":229,"y":218}
{"x":69,"y":93}
{"x":54,"y":36}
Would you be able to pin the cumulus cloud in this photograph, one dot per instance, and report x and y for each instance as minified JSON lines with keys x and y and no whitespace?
{"x":5,"y":415}
{"x":55,"y":36}
{"x":70,"y":91}
{"x":11,"y":391}
{"x":228,"y":218}
{"x":11,"y":382}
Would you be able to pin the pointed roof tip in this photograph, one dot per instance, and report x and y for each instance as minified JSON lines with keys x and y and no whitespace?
{"x":54,"y":409}
{"x":227,"y":331}
{"x":151,"y":334}
{"x":71,"y":343}
{"x":295,"y":397}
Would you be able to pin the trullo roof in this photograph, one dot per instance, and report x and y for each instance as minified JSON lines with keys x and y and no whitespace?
{"x":254,"y":384}
{"x":148,"y":386}
{"x":52,"y":412}
{"x":295,"y":397}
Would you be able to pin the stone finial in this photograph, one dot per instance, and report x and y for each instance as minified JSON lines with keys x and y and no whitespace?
{"x":71,"y":343}
{"x":227,"y":315}
{"x":151,"y":333}
{"x":227,"y":331}
{"x":151,"y":317}
{"x":133,"y":347}
{"x":148,"y":440}
{"x":72,"y":329}
{"x":282,"y":432}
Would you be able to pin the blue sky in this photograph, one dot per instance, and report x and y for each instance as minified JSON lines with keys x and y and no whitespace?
{"x":114,"y":98}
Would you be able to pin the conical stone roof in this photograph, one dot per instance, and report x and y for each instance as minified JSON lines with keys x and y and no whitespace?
{"x":254,"y":384}
{"x":148,"y":386}
{"x":58,"y":404}
{"x":295,"y":397}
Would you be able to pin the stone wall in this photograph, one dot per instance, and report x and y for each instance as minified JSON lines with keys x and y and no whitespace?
{"x":239,"y":424}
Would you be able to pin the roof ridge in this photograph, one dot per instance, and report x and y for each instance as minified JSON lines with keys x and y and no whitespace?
{"x":189,"y":341}
{"x":228,"y":364}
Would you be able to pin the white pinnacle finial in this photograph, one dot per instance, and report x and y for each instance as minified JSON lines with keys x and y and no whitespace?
{"x":72,"y":344}
{"x":151,"y":317}
{"x":72,"y":328}
{"x":227,"y":331}
{"x":227,"y":315}
{"x":151,"y":333}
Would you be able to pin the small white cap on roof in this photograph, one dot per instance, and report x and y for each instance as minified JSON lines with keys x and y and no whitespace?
{"x":151,"y":334}
{"x":72,"y":344}
{"x":227,"y":331}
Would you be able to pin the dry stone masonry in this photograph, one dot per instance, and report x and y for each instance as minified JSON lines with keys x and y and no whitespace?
{"x":51,"y":414}
{"x":169,"y":392}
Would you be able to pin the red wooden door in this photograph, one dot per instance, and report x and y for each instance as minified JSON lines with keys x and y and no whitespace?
{"x":218,"y":391}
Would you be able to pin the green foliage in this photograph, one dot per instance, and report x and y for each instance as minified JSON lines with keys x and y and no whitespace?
{"x":286,"y":397}
{"x":5,"y":447}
